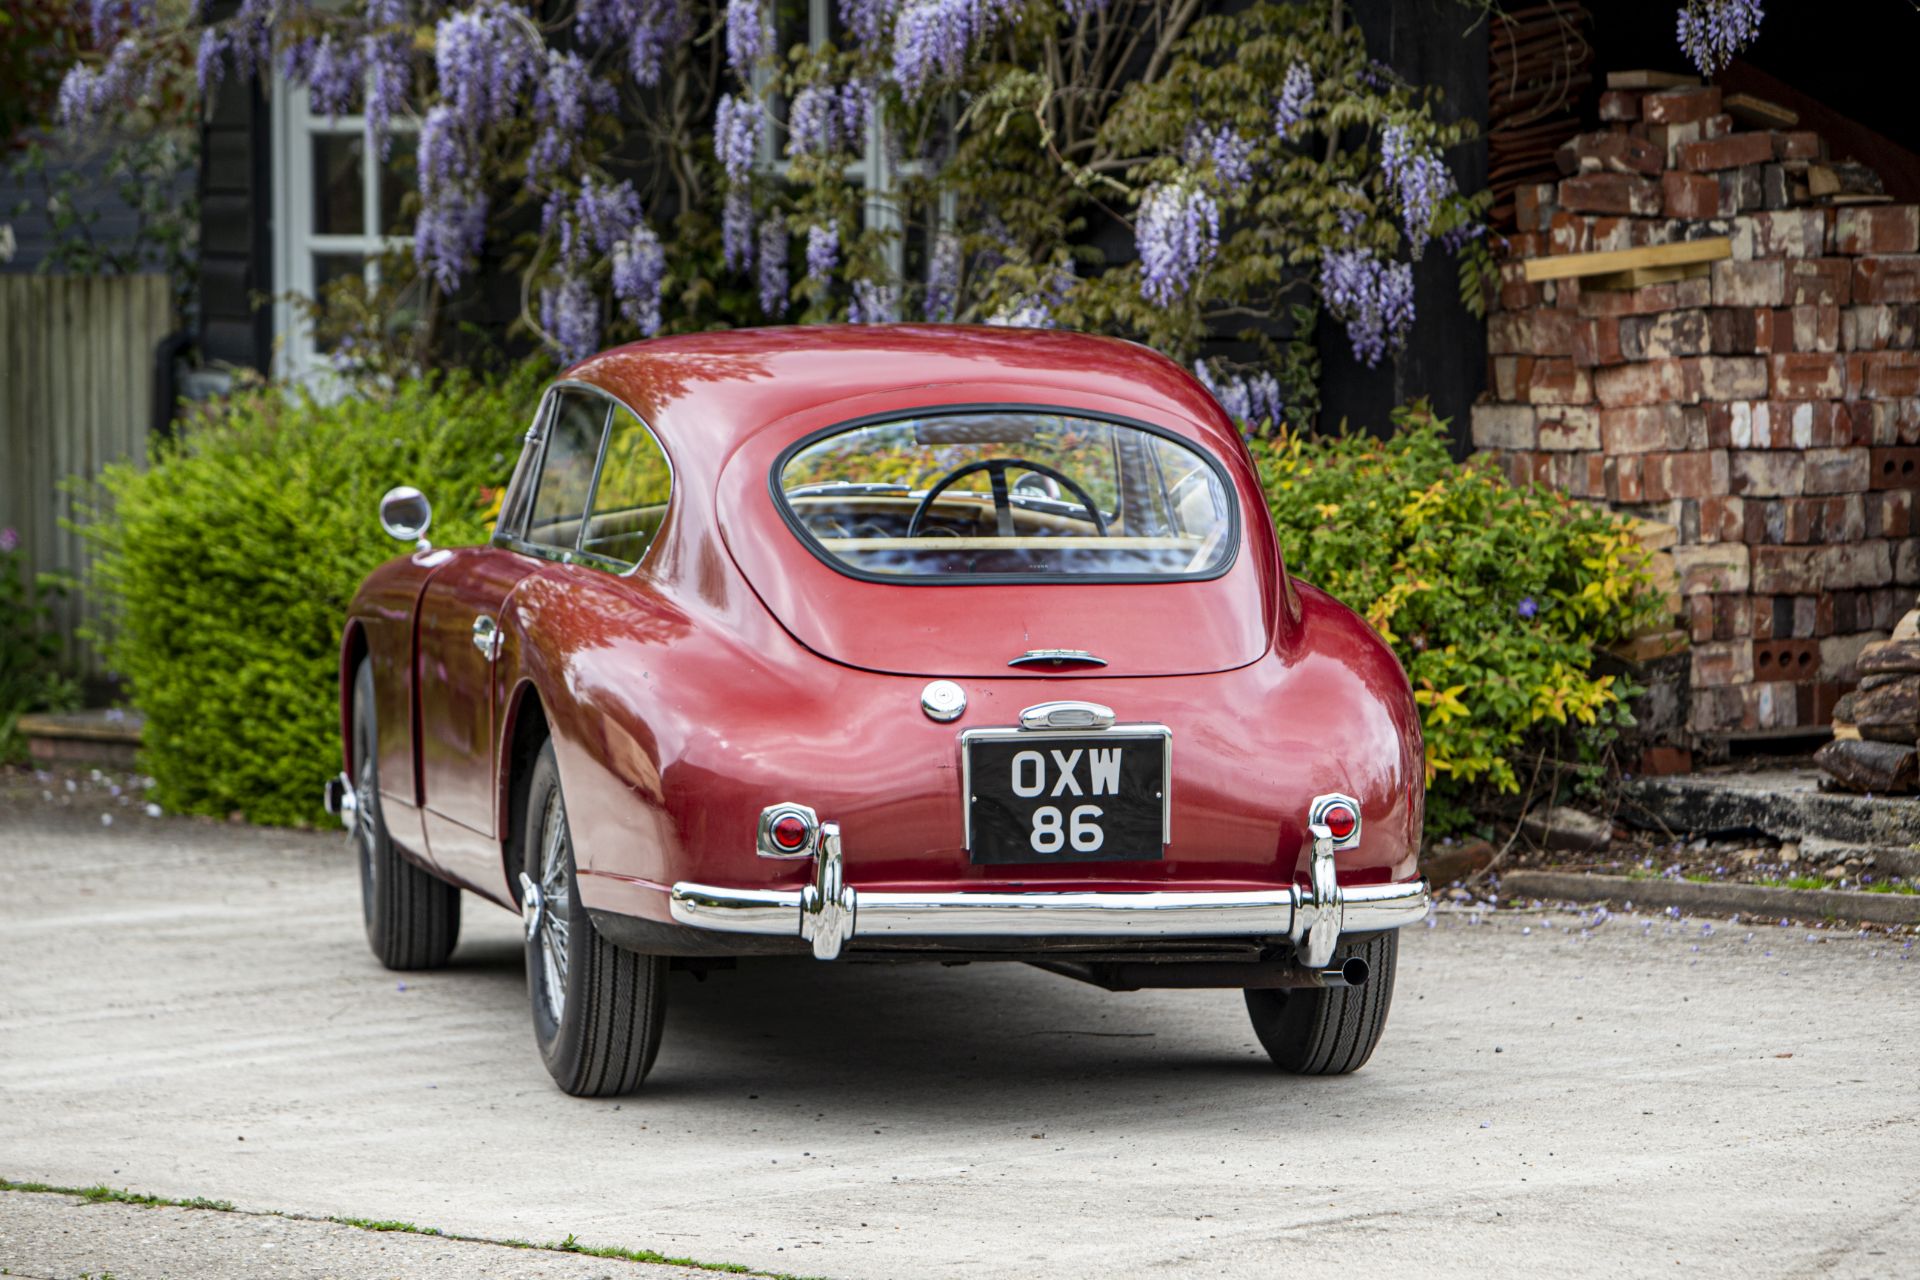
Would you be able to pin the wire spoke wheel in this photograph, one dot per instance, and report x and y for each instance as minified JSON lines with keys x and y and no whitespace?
{"x":555,"y":907}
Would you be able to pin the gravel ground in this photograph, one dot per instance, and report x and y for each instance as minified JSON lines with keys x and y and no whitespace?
{"x":190,"y":1010}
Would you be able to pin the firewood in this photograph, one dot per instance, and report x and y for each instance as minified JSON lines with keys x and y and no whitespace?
{"x":1869,"y":766}
{"x":1890,"y":655}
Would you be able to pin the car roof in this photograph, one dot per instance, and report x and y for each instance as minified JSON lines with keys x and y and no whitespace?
{"x":708,"y":392}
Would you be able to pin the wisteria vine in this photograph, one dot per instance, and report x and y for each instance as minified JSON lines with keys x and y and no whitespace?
{"x":1306,"y":196}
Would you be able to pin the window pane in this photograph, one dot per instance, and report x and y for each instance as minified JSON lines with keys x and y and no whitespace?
{"x":397,"y":177}
{"x":339,"y":207}
{"x":573,"y":443}
{"x":1021,"y":492}
{"x":631,"y":499}
{"x":328,"y":267}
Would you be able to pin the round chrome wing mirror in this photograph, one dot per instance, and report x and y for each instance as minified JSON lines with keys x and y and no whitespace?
{"x":405,"y":514}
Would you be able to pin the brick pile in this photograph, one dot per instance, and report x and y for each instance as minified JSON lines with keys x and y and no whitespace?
{"x":1766,"y":407}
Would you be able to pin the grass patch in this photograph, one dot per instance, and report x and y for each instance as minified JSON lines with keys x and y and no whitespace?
{"x":103,"y":1194}
{"x":387,"y":1224}
{"x":1798,"y":882}
{"x":1892,"y":886}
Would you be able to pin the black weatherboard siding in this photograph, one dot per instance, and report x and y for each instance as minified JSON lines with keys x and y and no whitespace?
{"x":236,"y":223}
{"x":1441,"y":43}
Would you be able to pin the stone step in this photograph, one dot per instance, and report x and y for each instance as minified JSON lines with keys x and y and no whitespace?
{"x":100,"y":737}
{"x":1786,"y":804}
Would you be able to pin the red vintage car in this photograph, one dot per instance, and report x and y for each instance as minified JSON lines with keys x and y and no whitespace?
{"x":882,"y":643}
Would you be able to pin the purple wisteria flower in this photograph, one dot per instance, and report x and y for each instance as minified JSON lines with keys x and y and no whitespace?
{"x":334,"y":75}
{"x":206,"y":61}
{"x":1078,"y":9}
{"x":598,"y":217}
{"x":773,"y":268}
{"x":639,"y":265}
{"x":9,"y":541}
{"x":874,"y":303}
{"x":1296,"y":99}
{"x":571,"y":316}
{"x":562,"y":103}
{"x":1373,"y":298}
{"x":1037,"y":310}
{"x":933,"y":38}
{"x":1177,"y":237}
{"x":250,"y":37}
{"x":1458,"y":238}
{"x":823,"y":250}
{"x":868,"y":20}
{"x":746,"y":36}
{"x":736,"y":230}
{"x":111,"y":19}
{"x":651,"y":29}
{"x":823,"y":119}
{"x":737,"y":126}
{"x":1528,"y":607}
{"x":943,"y":277}
{"x":386,"y":51}
{"x":1251,"y":398}
{"x":484,"y":56}
{"x":1222,"y":147}
{"x":1419,"y":179}
{"x":449,"y":232}
{"x":1711,"y":32}
{"x":88,"y":93}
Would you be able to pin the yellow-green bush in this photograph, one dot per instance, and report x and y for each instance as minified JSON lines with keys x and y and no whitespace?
{"x":1495,"y":598}
{"x":226,"y":568}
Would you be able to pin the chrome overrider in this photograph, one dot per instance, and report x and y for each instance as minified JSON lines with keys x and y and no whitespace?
{"x":829,"y":913}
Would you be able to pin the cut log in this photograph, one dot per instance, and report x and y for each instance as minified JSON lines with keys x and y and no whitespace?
{"x":1760,"y":113}
{"x":1890,"y":655}
{"x":1845,"y":732}
{"x":1843,"y":178}
{"x":1908,"y":628}
{"x":1869,"y":766}
{"x":1681,"y":253}
{"x":1649,"y":80}
{"x":1897,"y":703}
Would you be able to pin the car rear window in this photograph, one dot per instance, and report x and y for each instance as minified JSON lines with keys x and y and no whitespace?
{"x":1008,"y":493}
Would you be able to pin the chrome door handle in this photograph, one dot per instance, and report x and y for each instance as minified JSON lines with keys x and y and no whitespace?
{"x":486,"y":637}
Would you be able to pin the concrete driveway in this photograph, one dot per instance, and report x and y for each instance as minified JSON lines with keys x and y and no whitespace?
{"x":189,"y":1009}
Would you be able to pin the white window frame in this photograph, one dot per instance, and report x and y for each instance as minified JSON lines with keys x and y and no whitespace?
{"x":873,"y":170}
{"x":295,"y":126}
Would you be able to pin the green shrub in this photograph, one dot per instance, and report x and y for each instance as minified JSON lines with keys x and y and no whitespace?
{"x":226,"y":568}
{"x":30,"y":678}
{"x":1495,"y":598}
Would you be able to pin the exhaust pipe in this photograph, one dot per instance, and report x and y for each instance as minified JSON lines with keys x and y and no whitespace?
{"x":1352,"y":972}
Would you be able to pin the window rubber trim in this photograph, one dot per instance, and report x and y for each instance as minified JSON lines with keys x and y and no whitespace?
{"x":833,"y":562}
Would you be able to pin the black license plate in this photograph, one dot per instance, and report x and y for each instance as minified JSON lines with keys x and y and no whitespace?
{"x":1054,"y":797}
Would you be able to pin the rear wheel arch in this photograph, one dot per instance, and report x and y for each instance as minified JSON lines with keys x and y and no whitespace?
{"x":525,"y":733}
{"x":353,"y":651}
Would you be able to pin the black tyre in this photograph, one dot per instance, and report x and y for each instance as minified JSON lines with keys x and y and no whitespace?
{"x":1329,"y":1031}
{"x":597,"y":1009}
{"x":412,"y":918}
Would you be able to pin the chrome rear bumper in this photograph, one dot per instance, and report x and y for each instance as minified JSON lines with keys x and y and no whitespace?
{"x":829,"y":913}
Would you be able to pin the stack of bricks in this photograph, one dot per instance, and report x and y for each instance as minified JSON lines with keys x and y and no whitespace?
{"x":1766,"y":406}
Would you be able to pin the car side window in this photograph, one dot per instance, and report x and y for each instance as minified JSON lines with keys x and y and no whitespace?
{"x":630,"y":500}
{"x":566,"y":470}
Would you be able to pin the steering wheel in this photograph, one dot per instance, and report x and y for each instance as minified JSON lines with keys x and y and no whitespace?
{"x":996,"y":469}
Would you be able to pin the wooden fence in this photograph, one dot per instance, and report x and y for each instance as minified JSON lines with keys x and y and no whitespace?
{"x":76,"y":393}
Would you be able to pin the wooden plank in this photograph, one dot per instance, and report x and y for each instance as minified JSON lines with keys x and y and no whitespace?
{"x":1570,"y":265}
{"x":1640,"y":277}
{"x":1758,"y":112}
{"x":1650,"y":80}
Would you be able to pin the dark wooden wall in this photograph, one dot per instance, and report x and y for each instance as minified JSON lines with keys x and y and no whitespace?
{"x":236,"y":224}
{"x":1437,"y":43}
